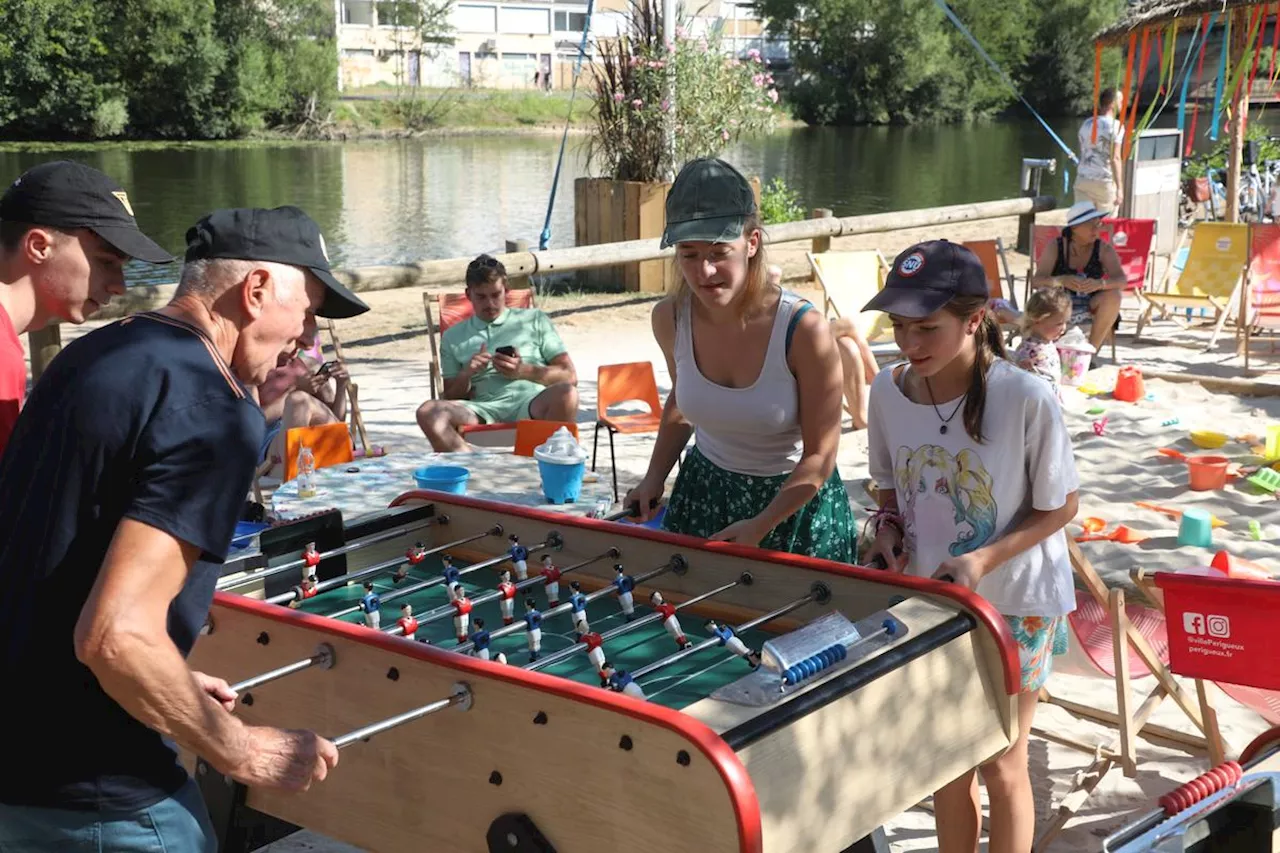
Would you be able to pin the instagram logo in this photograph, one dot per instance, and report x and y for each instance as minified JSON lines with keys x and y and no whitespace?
{"x":1200,"y":625}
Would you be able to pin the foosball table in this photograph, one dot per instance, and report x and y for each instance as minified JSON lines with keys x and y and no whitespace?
{"x":500,"y":678}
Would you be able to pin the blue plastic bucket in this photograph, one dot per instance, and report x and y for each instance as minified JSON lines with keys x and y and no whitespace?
{"x":561,"y":484}
{"x":443,"y":478}
{"x":245,"y":531}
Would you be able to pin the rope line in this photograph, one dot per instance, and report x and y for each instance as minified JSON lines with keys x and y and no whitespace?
{"x":545,"y":237}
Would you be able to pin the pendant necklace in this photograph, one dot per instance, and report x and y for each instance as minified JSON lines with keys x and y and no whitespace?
{"x":943,"y":429}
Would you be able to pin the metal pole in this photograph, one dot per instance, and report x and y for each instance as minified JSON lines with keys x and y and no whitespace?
{"x":323,"y":658}
{"x":461,"y":696}
{"x":556,"y":657}
{"x":715,"y":641}
{"x":363,"y":542}
{"x":669,"y":122}
{"x":377,"y":568}
{"x":507,"y":630}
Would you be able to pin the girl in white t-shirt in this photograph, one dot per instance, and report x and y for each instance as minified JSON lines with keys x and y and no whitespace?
{"x":977,"y":483}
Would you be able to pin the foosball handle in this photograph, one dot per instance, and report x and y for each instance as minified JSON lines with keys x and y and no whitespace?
{"x":1185,"y":796}
{"x":815,"y":664}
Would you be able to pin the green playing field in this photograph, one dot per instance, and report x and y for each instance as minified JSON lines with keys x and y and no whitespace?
{"x":677,"y":685}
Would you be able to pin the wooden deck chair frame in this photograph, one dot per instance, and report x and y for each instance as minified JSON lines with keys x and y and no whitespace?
{"x":1223,"y":307}
{"x":1259,"y":307}
{"x":830,"y":306}
{"x":353,"y":390}
{"x":1128,"y":720}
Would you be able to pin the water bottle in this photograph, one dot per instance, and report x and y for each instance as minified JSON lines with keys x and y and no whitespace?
{"x":306,"y":473}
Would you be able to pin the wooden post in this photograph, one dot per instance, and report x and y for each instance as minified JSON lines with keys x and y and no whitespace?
{"x":1239,"y":109}
{"x":517,"y":282}
{"x":45,"y":344}
{"x":820,"y":244}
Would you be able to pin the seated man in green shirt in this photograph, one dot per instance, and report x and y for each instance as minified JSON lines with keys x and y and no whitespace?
{"x":500,"y":365}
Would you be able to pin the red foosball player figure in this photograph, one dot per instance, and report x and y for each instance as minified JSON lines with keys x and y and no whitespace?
{"x":552,"y":576}
{"x":620,"y":681}
{"x":413,"y":557}
{"x":508,"y":600}
{"x":669,"y":619}
{"x":310,"y":559}
{"x":595,"y":649}
{"x":406,"y":621}
{"x":306,"y":590}
{"x":461,"y":611}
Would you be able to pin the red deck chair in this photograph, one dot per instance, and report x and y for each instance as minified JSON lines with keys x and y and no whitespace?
{"x":1260,"y":299}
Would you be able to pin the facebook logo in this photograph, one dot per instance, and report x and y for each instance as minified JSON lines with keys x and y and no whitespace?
{"x":1197,"y":624}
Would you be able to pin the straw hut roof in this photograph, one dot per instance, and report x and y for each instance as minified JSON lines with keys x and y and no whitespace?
{"x":1144,"y":13}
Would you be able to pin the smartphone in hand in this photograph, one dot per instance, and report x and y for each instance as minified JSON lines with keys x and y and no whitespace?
{"x":508,"y":351}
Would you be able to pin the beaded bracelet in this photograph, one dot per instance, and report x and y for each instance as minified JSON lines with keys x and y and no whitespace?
{"x":885,"y":515}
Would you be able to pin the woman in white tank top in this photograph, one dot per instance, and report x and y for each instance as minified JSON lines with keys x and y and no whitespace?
{"x":756,"y":382}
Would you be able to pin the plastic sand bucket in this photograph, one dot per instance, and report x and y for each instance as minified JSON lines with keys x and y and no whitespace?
{"x":1195,"y":528}
{"x":1129,"y":385}
{"x":562,"y":464}
{"x":245,"y":531}
{"x":1208,"y":471}
{"x":443,"y":478}
{"x":1075,"y":352}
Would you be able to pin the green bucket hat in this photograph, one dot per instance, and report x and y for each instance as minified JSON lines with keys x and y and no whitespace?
{"x":710,"y":200}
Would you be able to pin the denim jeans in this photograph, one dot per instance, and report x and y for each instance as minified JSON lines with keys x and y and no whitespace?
{"x":179,"y":824}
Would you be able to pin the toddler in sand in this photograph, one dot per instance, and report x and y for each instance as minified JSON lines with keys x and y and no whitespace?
{"x":1044,"y":321}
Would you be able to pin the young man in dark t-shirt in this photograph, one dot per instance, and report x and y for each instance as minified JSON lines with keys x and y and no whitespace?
{"x":119,"y":494}
{"x":66,"y":230}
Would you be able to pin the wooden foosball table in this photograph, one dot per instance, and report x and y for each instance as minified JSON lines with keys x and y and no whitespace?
{"x":635,"y":691}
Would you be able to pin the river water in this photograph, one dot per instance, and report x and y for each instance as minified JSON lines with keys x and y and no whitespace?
{"x":453,"y":196}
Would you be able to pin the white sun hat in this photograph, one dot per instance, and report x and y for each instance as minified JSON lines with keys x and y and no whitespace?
{"x":1083,"y":211}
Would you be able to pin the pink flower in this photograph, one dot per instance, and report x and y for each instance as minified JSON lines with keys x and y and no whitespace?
{"x":753,"y":55}
{"x":637,"y":103}
{"x":773,"y":95}
{"x":617,"y":97}
{"x":666,"y":105}
{"x":724,"y":134}
{"x":757,"y":79}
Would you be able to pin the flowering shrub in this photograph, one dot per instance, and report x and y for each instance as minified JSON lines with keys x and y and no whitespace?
{"x":718,"y":98}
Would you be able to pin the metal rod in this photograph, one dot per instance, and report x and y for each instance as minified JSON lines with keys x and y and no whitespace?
{"x":435,"y":581}
{"x":507,"y":630}
{"x":648,"y":619}
{"x":376,"y":569}
{"x":323,"y":658}
{"x":363,"y":542}
{"x":446,"y":611}
{"x":461,"y":696}
{"x":715,"y":641}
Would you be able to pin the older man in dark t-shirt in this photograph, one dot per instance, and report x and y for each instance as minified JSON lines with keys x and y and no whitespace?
{"x":119,"y":493}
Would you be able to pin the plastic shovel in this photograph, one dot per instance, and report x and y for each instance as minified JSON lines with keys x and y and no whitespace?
{"x":1174,"y":513}
{"x":1124,"y":535}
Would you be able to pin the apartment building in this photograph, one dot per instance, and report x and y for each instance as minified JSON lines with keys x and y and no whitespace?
{"x":500,"y":44}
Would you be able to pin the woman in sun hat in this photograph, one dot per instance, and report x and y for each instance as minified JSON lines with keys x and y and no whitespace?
{"x":1088,"y":268}
{"x":756,"y":380}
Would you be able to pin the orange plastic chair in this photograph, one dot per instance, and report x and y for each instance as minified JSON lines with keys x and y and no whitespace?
{"x":531,"y":433}
{"x":331,"y":444}
{"x":622,"y":383}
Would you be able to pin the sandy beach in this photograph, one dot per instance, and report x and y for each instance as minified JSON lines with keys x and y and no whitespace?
{"x":388,"y":357}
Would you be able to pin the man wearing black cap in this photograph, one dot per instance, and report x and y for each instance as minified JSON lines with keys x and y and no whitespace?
{"x":119,"y":495}
{"x":66,"y":231}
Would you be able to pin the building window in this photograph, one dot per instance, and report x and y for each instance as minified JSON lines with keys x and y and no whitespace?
{"x":520,"y":64}
{"x":512,"y":19}
{"x":357,"y":12}
{"x":469,"y":18}
{"x":571,"y":22}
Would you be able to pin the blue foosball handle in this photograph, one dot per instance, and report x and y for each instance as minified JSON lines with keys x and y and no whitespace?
{"x":814,"y":664}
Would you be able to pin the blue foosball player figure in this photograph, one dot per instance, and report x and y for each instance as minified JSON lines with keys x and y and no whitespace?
{"x":730,"y":640}
{"x":533,"y":628}
{"x":519,"y":557}
{"x":480,"y":639}
{"x":371,"y":604}
{"x":625,"y":584}
{"x":620,"y":681}
{"x":452,"y":575}
{"x":578,"y":606}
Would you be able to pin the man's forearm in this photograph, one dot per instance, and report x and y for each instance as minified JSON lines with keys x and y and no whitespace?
{"x":458,"y":387}
{"x":547,"y":374}
{"x":148,"y":677}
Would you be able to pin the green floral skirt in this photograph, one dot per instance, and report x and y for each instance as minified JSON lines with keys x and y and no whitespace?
{"x":706,"y":499}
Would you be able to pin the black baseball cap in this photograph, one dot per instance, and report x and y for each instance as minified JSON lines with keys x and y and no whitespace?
{"x":709,"y":200}
{"x":928,"y":275}
{"x":285,"y":235}
{"x":68,"y":195}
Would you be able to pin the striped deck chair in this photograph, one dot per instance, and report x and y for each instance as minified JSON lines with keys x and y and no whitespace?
{"x":1211,"y":281}
{"x":849,"y":280}
{"x":1260,"y":300}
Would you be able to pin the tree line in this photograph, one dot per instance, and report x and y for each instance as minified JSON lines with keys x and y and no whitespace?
{"x":167,"y":69}
{"x":904,"y":62}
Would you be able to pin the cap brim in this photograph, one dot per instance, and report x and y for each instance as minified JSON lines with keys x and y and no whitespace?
{"x":133,"y":243}
{"x":1097,"y":214}
{"x":339,"y":302}
{"x":913,"y":302}
{"x":718,"y":229}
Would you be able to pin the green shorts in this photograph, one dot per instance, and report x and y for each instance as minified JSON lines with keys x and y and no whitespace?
{"x":506,"y":411}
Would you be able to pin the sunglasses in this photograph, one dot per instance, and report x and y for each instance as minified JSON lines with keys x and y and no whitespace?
{"x":482,"y":263}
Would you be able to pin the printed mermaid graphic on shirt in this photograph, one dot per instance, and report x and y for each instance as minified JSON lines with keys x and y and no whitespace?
{"x":940,"y":492}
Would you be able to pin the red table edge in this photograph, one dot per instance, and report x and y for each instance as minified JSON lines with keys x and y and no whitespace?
{"x":967,"y":599}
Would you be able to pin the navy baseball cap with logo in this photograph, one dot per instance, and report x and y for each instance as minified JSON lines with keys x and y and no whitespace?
{"x":927,"y":276}
{"x":285,"y":235}
{"x":68,"y":195}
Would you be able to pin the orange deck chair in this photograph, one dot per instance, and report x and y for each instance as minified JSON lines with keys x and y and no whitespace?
{"x":623,"y":383}
{"x":331,"y":444}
